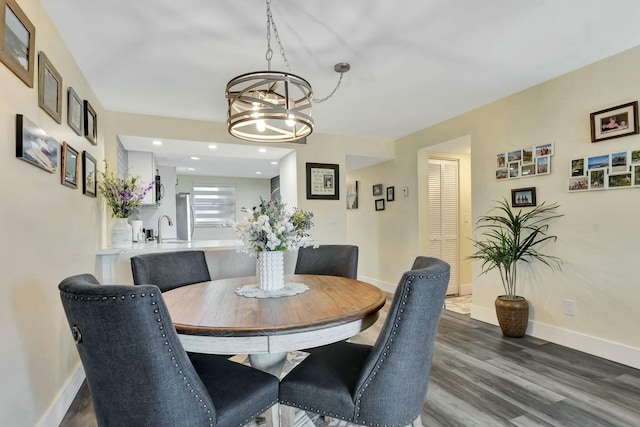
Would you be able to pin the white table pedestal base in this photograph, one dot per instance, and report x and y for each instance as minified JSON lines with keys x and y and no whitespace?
{"x":272,"y":363}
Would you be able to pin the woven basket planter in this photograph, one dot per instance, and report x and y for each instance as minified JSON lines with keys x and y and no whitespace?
{"x":513,"y":315}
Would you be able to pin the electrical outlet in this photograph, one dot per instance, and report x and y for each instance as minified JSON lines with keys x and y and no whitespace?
{"x":405,"y":191}
{"x":569,"y":307}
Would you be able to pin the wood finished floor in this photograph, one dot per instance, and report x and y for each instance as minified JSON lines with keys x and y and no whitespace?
{"x":480,"y":378}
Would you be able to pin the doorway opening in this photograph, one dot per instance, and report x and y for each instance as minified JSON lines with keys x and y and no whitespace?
{"x":444,"y":191}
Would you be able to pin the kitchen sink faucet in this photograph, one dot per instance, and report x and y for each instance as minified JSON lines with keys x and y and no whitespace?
{"x":160,"y":226}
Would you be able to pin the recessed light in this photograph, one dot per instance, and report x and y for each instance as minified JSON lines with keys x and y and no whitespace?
{"x":258,"y":173}
{"x":262,"y":150}
{"x":195,"y":158}
{"x":156,"y":142}
{"x":191,"y":169}
{"x":213,"y":146}
{"x":274,"y":163}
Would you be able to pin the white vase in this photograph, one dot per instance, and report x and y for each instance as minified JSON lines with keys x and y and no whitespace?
{"x":121,"y":234}
{"x":270,"y":270}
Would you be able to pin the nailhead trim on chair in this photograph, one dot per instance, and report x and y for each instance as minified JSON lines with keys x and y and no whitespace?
{"x":163,"y":335}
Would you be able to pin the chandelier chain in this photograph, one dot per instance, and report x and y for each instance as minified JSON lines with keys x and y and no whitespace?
{"x":272,"y":23}
{"x":318,"y":101}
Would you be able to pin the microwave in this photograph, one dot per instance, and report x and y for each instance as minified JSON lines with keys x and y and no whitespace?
{"x":158,"y":188}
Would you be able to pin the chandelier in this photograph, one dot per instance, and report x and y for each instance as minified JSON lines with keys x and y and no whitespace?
{"x":272,"y":106}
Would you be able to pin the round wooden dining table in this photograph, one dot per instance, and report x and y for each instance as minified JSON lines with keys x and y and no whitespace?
{"x":210,"y":317}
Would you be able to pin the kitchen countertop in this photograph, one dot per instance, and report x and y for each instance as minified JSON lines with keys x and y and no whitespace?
{"x":171,"y":245}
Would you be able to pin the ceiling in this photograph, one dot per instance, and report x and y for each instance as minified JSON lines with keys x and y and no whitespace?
{"x":414,"y":63}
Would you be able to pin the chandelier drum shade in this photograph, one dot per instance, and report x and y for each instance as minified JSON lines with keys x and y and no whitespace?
{"x":269,"y":106}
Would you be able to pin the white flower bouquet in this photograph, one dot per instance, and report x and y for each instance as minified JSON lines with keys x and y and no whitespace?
{"x":270,"y":227}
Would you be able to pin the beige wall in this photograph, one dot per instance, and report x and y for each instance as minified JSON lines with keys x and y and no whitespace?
{"x":597,"y":237}
{"x":48,"y":231}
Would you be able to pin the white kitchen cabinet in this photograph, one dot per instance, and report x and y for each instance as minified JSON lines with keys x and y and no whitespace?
{"x":143,"y":165}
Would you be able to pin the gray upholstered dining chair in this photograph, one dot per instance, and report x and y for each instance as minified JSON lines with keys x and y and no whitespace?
{"x":330,"y":260}
{"x":138,"y":372}
{"x":169,"y":270}
{"x":383,"y":385}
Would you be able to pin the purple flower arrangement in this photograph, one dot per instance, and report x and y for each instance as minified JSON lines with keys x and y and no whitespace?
{"x":123,"y":195}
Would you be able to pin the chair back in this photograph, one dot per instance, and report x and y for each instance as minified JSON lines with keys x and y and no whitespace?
{"x":393,"y":382}
{"x":136,"y":368}
{"x":329,"y":260}
{"x":169,"y":270}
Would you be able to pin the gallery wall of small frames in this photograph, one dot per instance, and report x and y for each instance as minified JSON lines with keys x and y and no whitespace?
{"x":620,"y":169}
{"x":614,"y":170}
{"x":33,"y":144}
{"x":524,"y":162}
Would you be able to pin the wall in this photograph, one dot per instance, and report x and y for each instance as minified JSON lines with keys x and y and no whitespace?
{"x":49,"y":232}
{"x":597,"y":238}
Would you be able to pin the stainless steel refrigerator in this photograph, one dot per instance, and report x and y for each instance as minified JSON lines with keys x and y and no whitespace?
{"x":184,"y":216}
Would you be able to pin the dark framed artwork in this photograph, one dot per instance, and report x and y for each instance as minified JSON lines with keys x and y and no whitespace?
{"x":379,"y":204}
{"x":391,"y":196}
{"x":352,"y":195}
{"x":523,"y":197}
{"x":49,"y":88}
{"x":89,"y":171}
{"x":34,"y":146}
{"x":90,"y":123}
{"x":614,"y":122}
{"x":17,"y":41}
{"x":75,"y":118}
{"x":69,"y":169}
{"x":322,"y":181}
{"x":377,"y":190}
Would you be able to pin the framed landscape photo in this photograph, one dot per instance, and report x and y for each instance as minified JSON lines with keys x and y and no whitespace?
{"x":17,"y":41}
{"x":75,"y":118}
{"x":49,"y":88}
{"x":379,"y":204}
{"x":69,"y":169}
{"x":614,"y":122}
{"x":89,"y":171}
{"x":34,"y":146}
{"x":523,"y":197}
{"x":322,"y":181}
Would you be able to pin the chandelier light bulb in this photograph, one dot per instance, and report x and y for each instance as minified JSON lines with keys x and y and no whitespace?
{"x":260,"y":126}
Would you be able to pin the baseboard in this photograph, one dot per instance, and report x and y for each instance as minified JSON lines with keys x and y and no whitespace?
{"x":609,"y":350}
{"x":61,"y":404}
{"x":387,"y":287}
{"x":466,"y":289}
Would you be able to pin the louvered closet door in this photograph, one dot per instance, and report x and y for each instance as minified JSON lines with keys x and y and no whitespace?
{"x":443,"y":215}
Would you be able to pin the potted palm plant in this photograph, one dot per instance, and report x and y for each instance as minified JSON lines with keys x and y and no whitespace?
{"x":508,"y":238}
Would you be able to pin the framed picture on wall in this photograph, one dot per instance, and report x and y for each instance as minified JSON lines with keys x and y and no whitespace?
{"x":75,"y":118}
{"x":90,"y":123}
{"x":17,"y":41}
{"x":391,"y":195}
{"x":34,"y":146}
{"x":69,"y":169}
{"x":614,"y":122}
{"x":89,"y":171}
{"x":322,"y":181}
{"x":49,"y":88}
{"x":523,"y":197}
{"x":377,"y":190}
{"x":352,"y":195}
{"x":379,"y":204}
